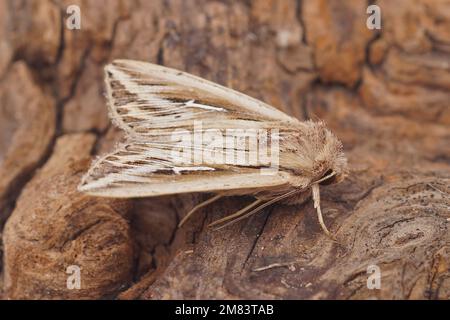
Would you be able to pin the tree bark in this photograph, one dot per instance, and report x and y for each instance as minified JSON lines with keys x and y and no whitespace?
{"x":385,"y":93}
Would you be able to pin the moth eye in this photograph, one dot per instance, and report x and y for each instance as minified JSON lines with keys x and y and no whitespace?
{"x":328,"y":181}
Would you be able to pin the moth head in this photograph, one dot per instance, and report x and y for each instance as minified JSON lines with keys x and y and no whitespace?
{"x":324,"y":158}
{"x":330,"y":163}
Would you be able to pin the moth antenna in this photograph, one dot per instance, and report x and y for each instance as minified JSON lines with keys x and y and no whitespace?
{"x":268,"y":203}
{"x":200,"y":205}
{"x":316,"y":198}
{"x":236,"y":214}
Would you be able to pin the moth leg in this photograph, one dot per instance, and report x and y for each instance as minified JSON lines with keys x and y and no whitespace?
{"x":316,"y":198}
{"x":200,"y":205}
{"x":245,"y":215}
{"x":236,"y":214}
{"x":259,"y":208}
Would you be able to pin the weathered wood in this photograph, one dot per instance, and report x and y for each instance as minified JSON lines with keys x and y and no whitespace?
{"x":385,"y":93}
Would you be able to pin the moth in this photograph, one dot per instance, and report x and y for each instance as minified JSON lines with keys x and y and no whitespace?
{"x":185,"y":134}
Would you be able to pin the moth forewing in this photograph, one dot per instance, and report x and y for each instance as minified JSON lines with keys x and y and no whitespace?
{"x":186,"y":134}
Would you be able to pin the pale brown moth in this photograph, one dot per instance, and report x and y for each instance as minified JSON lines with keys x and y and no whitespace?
{"x":154,"y":104}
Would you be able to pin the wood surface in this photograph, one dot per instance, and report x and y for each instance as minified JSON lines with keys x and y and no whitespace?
{"x":385,"y":93}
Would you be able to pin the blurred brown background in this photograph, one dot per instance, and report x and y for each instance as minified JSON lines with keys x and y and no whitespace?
{"x":385,"y":93}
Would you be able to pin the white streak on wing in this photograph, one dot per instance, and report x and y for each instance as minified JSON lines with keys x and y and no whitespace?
{"x":141,"y":170}
{"x":191,"y":103}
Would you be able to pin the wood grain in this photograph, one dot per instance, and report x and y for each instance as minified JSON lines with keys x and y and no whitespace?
{"x":384,"y":93}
